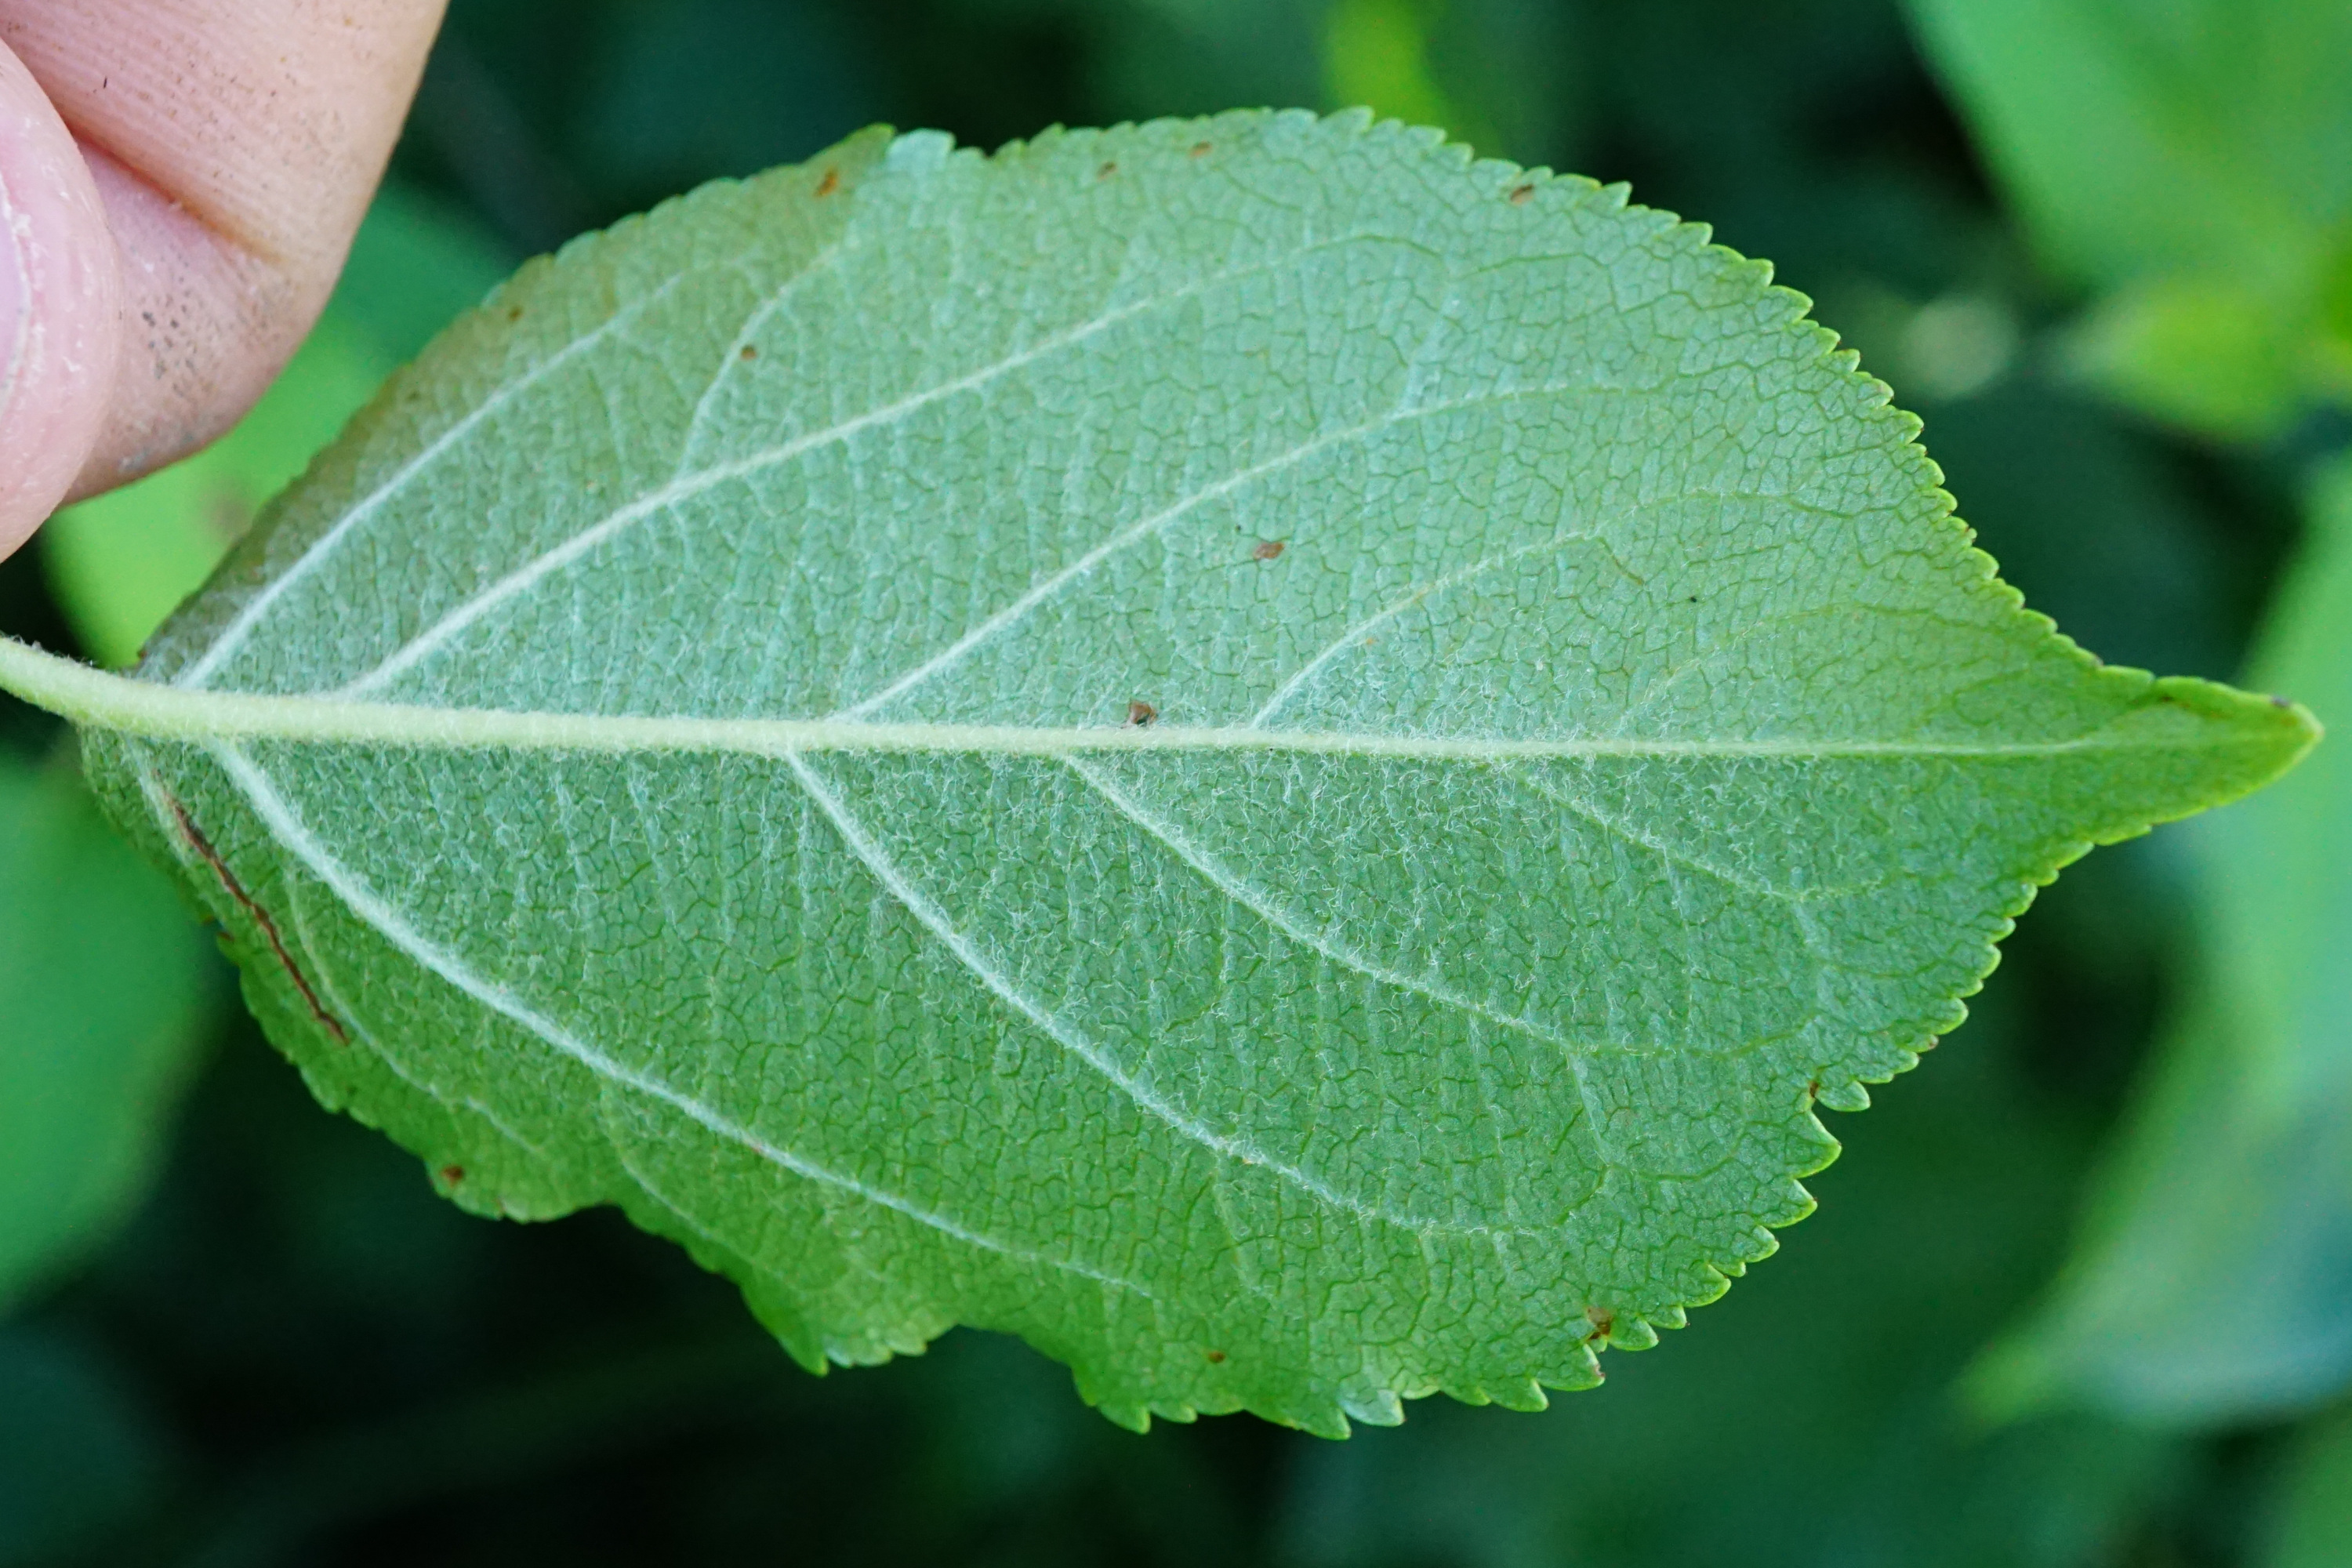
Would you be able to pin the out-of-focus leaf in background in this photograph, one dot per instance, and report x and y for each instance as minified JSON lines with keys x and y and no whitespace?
{"x":1376,"y":53}
{"x":120,"y":563}
{"x":2310,"y":1522}
{"x":1503,"y":75}
{"x":2213,"y":1282}
{"x":2192,"y":161}
{"x":102,"y":986}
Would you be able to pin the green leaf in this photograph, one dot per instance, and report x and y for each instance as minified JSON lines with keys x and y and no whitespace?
{"x":1278,"y":760}
{"x":2230,"y":1194}
{"x":2150,"y":135}
{"x":1376,"y":52}
{"x":101,"y":992}
{"x":2194,"y":154}
{"x":1503,"y":76}
{"x":2311,"y":1518}
{"x":2205,"y":352}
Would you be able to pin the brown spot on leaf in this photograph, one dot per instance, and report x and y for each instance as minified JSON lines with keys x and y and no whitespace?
{"x":1603,"y":1320}
{"x":1141,"y":714}
{"x":830,"y":183}
{"x":1812,"y":1089}
{"x":1522,"y":195}
{"x":514,"y":313}
{"x":1107,"y":171}
{"x":1216,"y":1358}
{"x":748,"y":352}
{"x":452,"y":1175}
{"x":1201,"y":149}
{"x":1268,"y":549}
{"x":259,"y":916}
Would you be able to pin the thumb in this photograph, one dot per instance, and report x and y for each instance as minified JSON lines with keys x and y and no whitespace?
{"x":61,"y":306}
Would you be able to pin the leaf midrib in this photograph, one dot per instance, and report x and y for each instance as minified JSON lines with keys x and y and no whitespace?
{"x":134,"y":706}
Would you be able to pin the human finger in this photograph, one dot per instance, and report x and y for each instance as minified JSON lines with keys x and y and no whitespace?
{"x":60,"y":306}
{"x":235,"y":144}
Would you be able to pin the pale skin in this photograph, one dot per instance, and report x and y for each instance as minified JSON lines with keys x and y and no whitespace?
{"x":179,"y":182}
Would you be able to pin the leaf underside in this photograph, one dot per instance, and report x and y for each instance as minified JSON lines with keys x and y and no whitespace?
{"x":1275,"y":759}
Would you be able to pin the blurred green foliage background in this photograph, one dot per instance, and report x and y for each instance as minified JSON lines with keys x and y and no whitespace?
{"x":2080,"y":1291}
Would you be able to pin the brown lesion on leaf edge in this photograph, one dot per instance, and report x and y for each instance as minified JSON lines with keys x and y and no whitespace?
{"x":267,"y":927}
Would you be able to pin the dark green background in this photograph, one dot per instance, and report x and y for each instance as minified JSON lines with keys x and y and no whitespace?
{"x":297,"y":1354}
